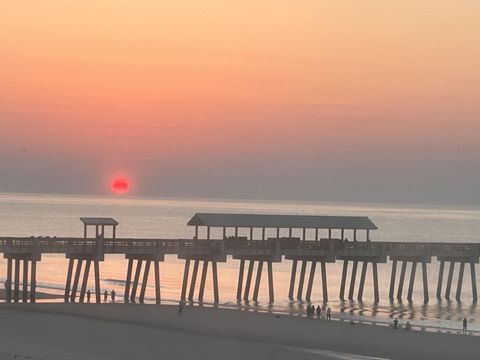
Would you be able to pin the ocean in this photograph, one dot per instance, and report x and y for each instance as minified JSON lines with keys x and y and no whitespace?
{"x":58,"y":215}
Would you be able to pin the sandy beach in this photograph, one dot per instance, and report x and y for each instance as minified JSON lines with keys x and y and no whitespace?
{"x":119,"y":331}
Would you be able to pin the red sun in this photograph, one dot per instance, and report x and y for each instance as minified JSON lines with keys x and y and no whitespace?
{"x":120,"y":185}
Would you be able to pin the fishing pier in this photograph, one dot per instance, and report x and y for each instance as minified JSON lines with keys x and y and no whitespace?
{"x":305,"y":240}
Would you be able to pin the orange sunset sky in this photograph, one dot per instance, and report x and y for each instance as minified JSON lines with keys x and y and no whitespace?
{"x":309,"y":100}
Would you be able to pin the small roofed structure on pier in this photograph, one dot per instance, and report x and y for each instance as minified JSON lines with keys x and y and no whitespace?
{"x":100,"y":223}
{"x":304,"y":222}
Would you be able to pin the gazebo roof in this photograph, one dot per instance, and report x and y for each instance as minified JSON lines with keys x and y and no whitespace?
{"x":99,"y":221}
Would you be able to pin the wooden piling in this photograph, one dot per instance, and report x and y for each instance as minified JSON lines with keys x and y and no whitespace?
{"x":412,"y":280}
{"x":143,"y":289}
{"x":344,"y":279}
{"x":257,"y":281}
{"x":310,"y":280}
{"x":301,"y":281}
{"x":449,"y":280}
{"x":241,"y":271}
{"x":248,"y":282}
{"x":460,"y":281}
{"x":392,"y":280}
{"x":352,"y":280}
{"x":203,"y":281}
{"x":292,"y":280}
{"x":401,"y":280}
{"x":363,"y":274}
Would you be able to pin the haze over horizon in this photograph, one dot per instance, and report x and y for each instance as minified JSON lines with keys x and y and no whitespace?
{"x":327,"y":101}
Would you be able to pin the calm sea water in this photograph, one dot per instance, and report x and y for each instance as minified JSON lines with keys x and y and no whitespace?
{"x":54,"y":215}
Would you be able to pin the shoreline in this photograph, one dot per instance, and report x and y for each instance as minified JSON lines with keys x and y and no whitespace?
{"x":294,"y":337}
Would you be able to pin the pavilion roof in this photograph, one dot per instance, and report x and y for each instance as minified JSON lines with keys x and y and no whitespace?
{"x":282,"y":221}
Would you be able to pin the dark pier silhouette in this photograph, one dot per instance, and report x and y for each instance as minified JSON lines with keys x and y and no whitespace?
{"x":322,"y":240}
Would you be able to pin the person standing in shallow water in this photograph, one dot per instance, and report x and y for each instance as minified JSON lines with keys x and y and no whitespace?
{"x":329,"y":314}
{"x":112,"y":294}
{"x":464,"y":325}
{"x":105,"y":296}
{"x":319,"y":312}
{"x":89,"y":294}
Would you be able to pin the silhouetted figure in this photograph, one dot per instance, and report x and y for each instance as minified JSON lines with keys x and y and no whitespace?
{"x":346,"y":239}
{"x":395,"y":323}
{"x":312,"y":311}
{"x":319,"y":312}
{"x":329,"y":314}
{"x":112,"y":294}
{"x":105,"y":296}
{"x":180,"y":308}
{"x":408,"y":326}
{"x":464,"y":325}
{"x":89,"y":294}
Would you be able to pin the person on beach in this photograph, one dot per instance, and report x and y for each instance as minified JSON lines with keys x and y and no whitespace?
{"x":312,"y":311}
{"x":319,"y":312}
{"x":89,"y":294}
{"x":105,"y":296}
{"x":465,"y":325}
{"x":408,"y":326}
{"x":112,"y":294}
{"x":329,"y":314}
{"x":395,"y":323}
{"x":180,"y":308}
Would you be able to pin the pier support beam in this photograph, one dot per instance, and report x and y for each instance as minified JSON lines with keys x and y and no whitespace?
{"x":310,"y":281}
{"x":216,"y":297}
{"x":352,"y":280}
{"x":449,"y":280}
{"x":425,"y":282}
{"x":324,"y":282}
{"x":401,"y":280}
{"x":460,"y":281}
{"x":96,"y":269}
{"x":257,"y":281}
{"x":33,"y":281}
{"x":16,"y":287}
{"x":76,"y":279}
{"x":376,"y":294}
{"x":292,"y":280}
{"x":68,"y":282}
{"x":241,"y":271}
{"x":249,"y":280}
{"x":440,"y":279}
{"x":203,"y":281}
{"x":474,"y":283}
{"x":143,"y":289}
{"x":185,"y":280}
{"x":392,"y":280}
{"x":25,"y":281}
{"x":128,"y":280}
{"x":193,"y":280}
{"x":158,"y":298}
{"x":83,"y":289}
{"x":344,"y":279}
{"x":301,"y":281}
{"x":363,"y":274}
{"x":412,"y":281}
{"x":8,"y":289}
{"x":270,"y":282}
{"x":136,"y":280}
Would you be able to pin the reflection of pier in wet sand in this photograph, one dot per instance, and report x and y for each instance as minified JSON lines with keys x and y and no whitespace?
{"x":271,"y":239}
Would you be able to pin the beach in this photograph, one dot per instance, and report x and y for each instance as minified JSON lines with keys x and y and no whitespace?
{"x":127,"y":331}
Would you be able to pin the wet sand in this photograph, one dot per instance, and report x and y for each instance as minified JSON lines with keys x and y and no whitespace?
{"x":119,"y":331}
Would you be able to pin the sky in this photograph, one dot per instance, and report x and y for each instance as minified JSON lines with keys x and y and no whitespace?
{"x":357,"y":101}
